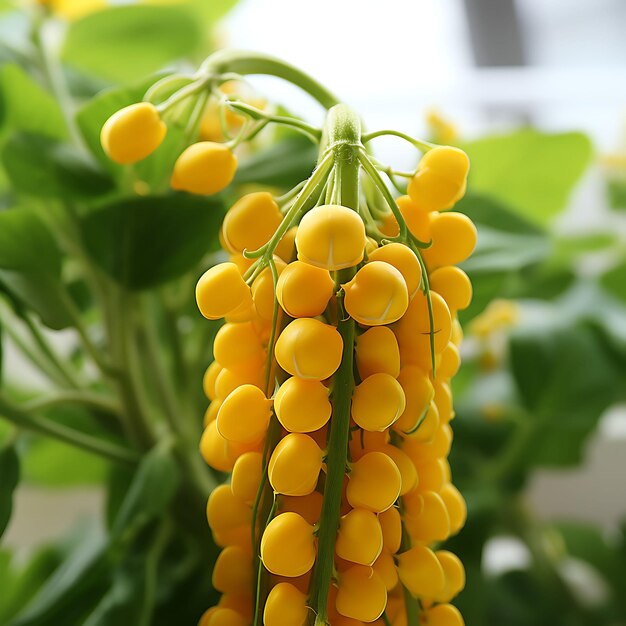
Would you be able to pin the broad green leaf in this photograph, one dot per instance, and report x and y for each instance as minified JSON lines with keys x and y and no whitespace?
{"x":614,"y":281}
{"x":532,"y":172}
{"x":143,"y":242}
{"x":127,"y":42}
{"x":150,"y":492}
{"x":10,"y":475}
{"x":616,"y":190}
{"x":211,"y":12}
{"x":27,"y":106}
{"x":282,"y":165}
{"x":39,"y":166}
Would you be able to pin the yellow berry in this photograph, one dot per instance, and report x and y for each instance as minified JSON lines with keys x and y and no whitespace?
{"x":377,"y":352}
{"x":237,"y":344}
{"x":225,"y":511}
{"x":456,"y":507}
{"x":377,"y":295}
{"x":214,"y":449}
{"x":361,"y":594}
{"x":221,"y":290}
{"x":374,"y":482}
{"x":420,"y":571}
{"x":331,"y":237}
{"x":204,"y":168}
{"x":247,"y":475}
{"x":443,"y":615}
{"x":309,"y":507}
{"x":304,"y":290}
{"x":251,"y":373}
{"x":454,"y":574}
{"x":295,"y":465}
{"x":132,"y":133}
{"x":454,"y":239}
{"x":404,"y":260}
{"x":408,"y":473}
{"x":308,"y":348}
{"x":391,"y":524}
{"x":250,"y":222}
{"x":301,"y":405}
{"x":440,"y":179}
{"x":360,"y":537}
{"x":285,"y":606}
{"x":377,"y":402}
{"x":385,"y":567}
{"x":416,"y":218}
{"x":426,"y":517}
{"x":263,"y":294}
{"x":454,"y":285}
{"x":232,"y":572}
{"x":208,"y":380}
{"x":244,"y":415}
{"x":288,"y":545}
{"x":419,"y":393}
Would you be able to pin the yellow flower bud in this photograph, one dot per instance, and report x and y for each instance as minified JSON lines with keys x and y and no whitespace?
{"x":263,"y":294}
{"x":232,"y":572}
{"x":208,"y":380}
{"x":361,"y":594}
{"x":456,"y":507}
{"x":404,"y":260}
{"x":420,"y":572}
{"x":443,"y":615}
{"x":244,"y":415}
{"x":454,"y":285}
{"x":304,"y":290}
{"x":308,"y":348}
{"x":247,"y":475}
{"x":295,"y":465}
{"x":426,"y":517}
{"x":285,"y":606}
{"x":251,"y":222}
{"x":374,"y":483}
{"x":204,"y":168}
{"x":225,"y":511}
{"x":301,"y":405}
{"x":331,"y":237}
{"x":132,"y":133}
{"x":454,"y":239}
{"x":221,"y":290}
{"x":214,"y":449}
{"x":360,"y":537}
{"x":440,"y":179}
{"x":385,"y":567}
{"x":419,"y":393}
{"x":391,"y":524}
{"x":288,"y":545}
{"x":377,"y":402}
{"x":454,"y":574}
{"x":377,"y":295}
{"x":377,"y":352}
{"x":450,"y":362}
{"x":237,"y":344}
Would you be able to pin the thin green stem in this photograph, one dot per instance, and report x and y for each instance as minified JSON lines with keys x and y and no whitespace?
{"x":423,"y":146}
{"x":43,"y":426}
{"x":88,"y":399}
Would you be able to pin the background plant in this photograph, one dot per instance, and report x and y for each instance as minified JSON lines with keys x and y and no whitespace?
{"x":85,"y":251}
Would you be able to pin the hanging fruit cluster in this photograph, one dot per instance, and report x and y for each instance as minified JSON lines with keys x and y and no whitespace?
{"x":330,"y":390}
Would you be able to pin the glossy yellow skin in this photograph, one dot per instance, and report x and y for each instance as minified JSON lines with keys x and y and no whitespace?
{"x":427,"y":518}
{"x":360,"y":537}
{"x":295,"y":465}
{"x":285,"y":606}
{"x":238,"y":344}
{"x":132,"y":133}
{"x":214,"y":449}
{"x":304,"y":290}
{"x":374,"y":482}
{"x":454,"y":285}
{"x":204,"y":168}
{"x":244,"y":415}
{"x":377,"y":402}
{"x":404,"y":260}
{"x":263,"y":294}
{"x":223,"y":616}
{"x":377,"y":352}
{"x":391,"y":525}
{"x":377,"y":295}
{"x":221,"y":290}
{"x":454,"y":239}
{"x":443,"y":615}
{"x":361,"y":594}
{"x":421,"y":572}
{"x":416,"y":218}
{"x":418,"y":392}
{"x":454,"y":574}
{"x":456,"y":507}
{"x":301,"y":405}
{"x":225,"y":511}
{"x":246,"y":477}
{"x":232,"y":572}
{"x":331,"y":237}
{"x":288,"y":545}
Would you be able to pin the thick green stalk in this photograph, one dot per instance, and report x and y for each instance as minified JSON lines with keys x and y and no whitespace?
{"x":342,"y":133}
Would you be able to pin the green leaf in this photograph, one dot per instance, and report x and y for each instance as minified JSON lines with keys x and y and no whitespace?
{"x":40,"y":166}
{"x":282,"y":165}
{"x":565,"y":381}
{"x":212,"y":11}
{"x":614,"y":281}
{"x":27,"y":106}
{"x":532,"y":172}
{"x":153,"y":486}
{"x":10,"y":473}
{"x":616,"y":190}
{"x":126,"y":42}
{"x":144,"y":242}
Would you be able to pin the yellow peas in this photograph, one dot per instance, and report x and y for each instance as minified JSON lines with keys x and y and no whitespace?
{"x":244,"y":415}
{"x":454,"y":285}
{"x":204,"y":168}
{"x":404,"y":260}
{"x":233,"y":570}
{"x":247,"y":475}
{"x":454,"y":239}
{"x":377,"y":352}
{"x":374,"y":482}
{"x":360,"y":537}
{"x":331,"y":237}
{"x":221,"y":290}
{"x":421,"y":572}
{"x":308,"y":348}
{"x":443,"y":615}
{"x":377,"y":295}
{"x":454,"y":575}
{"x":295,"y":465}
{"x":302,"y":405}
{"x":132,"y":133}
{"x":361,"y":594}
{"x":377,"y":402}
{"x":237,"y":344}
{"x":304,"y":290}
{"x":285,"y":606}
{"x":440,"y":179}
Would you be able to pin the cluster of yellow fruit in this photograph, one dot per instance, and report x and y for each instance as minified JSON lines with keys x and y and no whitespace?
{"x":274,"y":390}
{"x":136,"y":131}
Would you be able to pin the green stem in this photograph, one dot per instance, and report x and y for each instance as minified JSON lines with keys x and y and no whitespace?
{"x":342,"y":132}
{"x":244,"y":63}
{"x":85,"y":398}
{"x":61,"y":432}
{"x":424,"y":146}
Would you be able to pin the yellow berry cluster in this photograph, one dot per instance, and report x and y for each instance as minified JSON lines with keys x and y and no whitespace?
{"x":283,"y":371}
